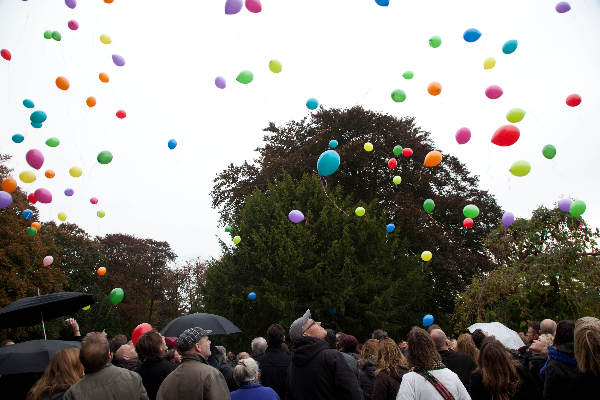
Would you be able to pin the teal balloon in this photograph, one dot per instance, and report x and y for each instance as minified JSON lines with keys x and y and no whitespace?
{"x":398,"y":96}
{"x":471,"y":211}
{"x":104,"y":157}
{"x":397,"y":150}
{"x":38,"y":116}
{"x":408,"y":75}
{"x":312,"y":104}
{"x":328,"y":162}
{"x":116,"y":296}
{"x":333,"y":144}
{"x":428,"y":206}
{"x":36,"y":124}
{"x":18,"y":138}
{"x":245,"y":77}
{"x":577,"y":208}
{"x":549,"y":151}
{"x":28,"y":103}
{"x":509,"y":47}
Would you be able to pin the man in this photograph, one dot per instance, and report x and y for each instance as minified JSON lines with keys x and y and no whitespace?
{"x":533,"y":331}
{"x":274,"y":363}
{"x":548,"y":326}
{"x":194,"y":378}
{"x":227,"y":370}
{"x":126,"y":357}
{"x":258,"y":345}
{"x":379,"y":334}
{"x":316,"y":371}
{"x":102,"y":380}
{"x":461,"y":364}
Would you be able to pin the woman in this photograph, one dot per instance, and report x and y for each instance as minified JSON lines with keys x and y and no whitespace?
{"x":429,"y":378}
{"x":391,"y":365}
{"x":347,"y":347}
{"x":63,"y":371}
{"x":465,"y":345}
{"x":500,"y":376}
{"x":366,"y":364}
{"x":560,"y":372}
{"x":587,"y":354}
{"x":538,"y":357}
{"x":246,"y":375}
{"x":152,"y":351}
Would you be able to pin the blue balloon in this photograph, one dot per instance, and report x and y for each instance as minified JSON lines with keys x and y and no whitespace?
{"x":38,"y":116}
{"x":427,"y":320}
{"x":471,"y":35}
{"x":383,"y":3}
{"x":27,"y":214}
{"x":312,"y":104}
{"x":251,"y":296}
{"x":36,"y":124}
{"x":509,"y":47}
{"x":328,"y":162}
{"x":390,"y":228}
{"x":333,"y":311}
{"x":333,"y":144}
{"x":172,"y":144}
{"x":28,"y":103}
{"x":18,"y":138}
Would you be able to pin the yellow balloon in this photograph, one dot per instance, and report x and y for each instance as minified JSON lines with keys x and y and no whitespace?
{"x":86,"y":308}
{"x":104,"y":38}
{"x":62,"y":216}
{"x":27,"y":176}
{"x":75,"y":172}
{"x":368,"y":146}
{"x":426,"y":256}
{"x":489,"y":63}
{"x":275,"y":66}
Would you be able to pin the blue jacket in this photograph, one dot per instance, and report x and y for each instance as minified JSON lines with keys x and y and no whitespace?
{"x":254,"y":391}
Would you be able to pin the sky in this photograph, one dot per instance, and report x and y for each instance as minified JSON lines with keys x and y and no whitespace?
{"x":341,"y":52}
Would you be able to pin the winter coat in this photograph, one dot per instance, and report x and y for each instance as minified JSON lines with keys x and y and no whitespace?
{"x":461,"y":364}
{"x":560,"y":372}
{"x":527,"y":389}
{"x":227,"y":371}
{"x":385,"y":386}
{"x":194,"y":379}
{"x":110,"y":383}
{"x":367,"y":375}
{"x":153,"y":373}
{"x":352,"y":361}
{"x":534,"y":364}
{"x":254,"y":391}
{"x":55,"y":396}
{"x":587,"y":386}
{"x":318,"y":372}
{"x":274,"y":364}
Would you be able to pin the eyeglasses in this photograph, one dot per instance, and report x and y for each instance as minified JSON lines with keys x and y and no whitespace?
{"x":308,"y":327}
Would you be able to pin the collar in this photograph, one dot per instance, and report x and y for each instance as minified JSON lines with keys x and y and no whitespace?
{"x":250,"y":385}
{"x":193,"y":357}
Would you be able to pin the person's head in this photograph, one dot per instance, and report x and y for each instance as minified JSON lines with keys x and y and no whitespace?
{"x":125,"y":355}
{"x":432,"y":327}
{"x":275,"y":335}
{"x":222,"y":350}
{"x":258,"y":345}
{"x":151,"y":346}
{"x":565,"y":332}
{"x":369,"y":349}
{"x":498,"y":370}
{"x":466,"y":345}
{"x":421,"y":349}
{"x":533,"y":331}
{"x":194,"y":341}
{"x":95,"y":352}
{"x":389,"y":357}
{"x":6,"y":342}
{"x":478,"y":335}
{"x":173,"y":356}
{"x":306,"y":326}
{"x":63,"y":371}
{"x":116,"y":342}
{"x":330,"y":338}
{"x":348,"y":344}
{"x":587,"y":345}
{"x":246,"y":371}
{"x":242,"y":356}
{"x":231,"y":356}
{"x":379,"y":334}
{"x":548,"y":326}
{"x":540,"y":345}
{"x":439,"y":338}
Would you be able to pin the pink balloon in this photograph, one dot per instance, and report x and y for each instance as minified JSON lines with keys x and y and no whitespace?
{"x":493,"y":92}
{"x":463,"y":135}
{"x":94,"y":200}
{"x":35,"y":158}
{"x":73,"y":25}
{"x":48,"y":260}
{"x":233,"y":6}
{"x":43,"y":195}
{"x":254,"y":6}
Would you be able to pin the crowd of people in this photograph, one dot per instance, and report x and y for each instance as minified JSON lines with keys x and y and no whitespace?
{"x":559,"y":361}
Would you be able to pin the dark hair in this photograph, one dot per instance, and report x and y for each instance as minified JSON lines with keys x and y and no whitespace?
{"x":348,"y":344}
{"x":330,"y":338}
{"x":478,"y":337}
{"x":275,"y":335}
{"x":379,"y":334}
{"x":149,"y":346}
{"x":535,"y":325}
{"x":171,"y":355}
{"x":117,"y":342}
{"x":421,"y":349}
{"x":94,"y":352}
{"x":565,"y":332}
{"x":498,"y":370}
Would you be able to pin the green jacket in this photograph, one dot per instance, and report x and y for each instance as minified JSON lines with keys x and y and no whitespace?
{"x":110,"y":383}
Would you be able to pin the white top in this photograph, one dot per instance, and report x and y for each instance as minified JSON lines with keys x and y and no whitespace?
{"x":415,"y":387}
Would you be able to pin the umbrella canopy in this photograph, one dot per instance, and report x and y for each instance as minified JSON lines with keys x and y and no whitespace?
{"x":509,"y":338}
{"x":28,"y":311}
{"x":31,"y":356}
{"x":217,"y":324}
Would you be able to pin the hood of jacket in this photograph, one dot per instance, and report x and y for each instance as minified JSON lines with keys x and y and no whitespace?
{"x":307,"y":348}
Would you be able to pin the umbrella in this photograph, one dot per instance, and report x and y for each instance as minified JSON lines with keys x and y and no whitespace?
{"x":31,"y":356}
{"x":509,"y":338}
{"x":217,"y":324}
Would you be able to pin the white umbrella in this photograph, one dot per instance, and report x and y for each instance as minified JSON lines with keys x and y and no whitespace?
{"x":509,"y":338}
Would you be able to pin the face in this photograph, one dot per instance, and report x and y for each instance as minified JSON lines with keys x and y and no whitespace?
{"x":163,"y":346}
{"x":203,"y":347}
{"x":531,"y":334}
{"x":315,"y":330}
{"x":538,"y":347}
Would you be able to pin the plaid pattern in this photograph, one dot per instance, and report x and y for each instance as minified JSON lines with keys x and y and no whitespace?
{"x":436,"y":383}
{"x":190,"y":337}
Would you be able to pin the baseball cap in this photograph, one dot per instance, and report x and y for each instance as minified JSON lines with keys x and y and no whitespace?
{"x":296,"y":327}
{"x":190,"y":337}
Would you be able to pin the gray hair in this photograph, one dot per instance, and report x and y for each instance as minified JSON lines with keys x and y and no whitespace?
{"x":222,"y":350}
{"x":246,"y":371}
{"x":259,"y":346}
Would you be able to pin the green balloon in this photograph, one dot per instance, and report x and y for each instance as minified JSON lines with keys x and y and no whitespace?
{"x":56,"y":36}
{"x":514,"y":115}
{"x":359,"y":211}
{"x":31,"y":231}
{"x":428,"y":206}
{"x":52,"y":142}
{"x":398,"y":96}
{"x":116,"y":296}
{"x":435,"y":41}
{"x":236,"y":239}
{"x":245,"y":77}
{"x":408,"y":75}
{"x":577,"y":208}
{"x":48,"y":34}
{"x":549,"y":151}
{"x":397,"y":150}
{"x":104,"y":157}
{"x":228,"y":228}
{"x":397,"y":180}
{"x":520,"y":168}
{"x":100,"y":213}
{"x":471,"y":211}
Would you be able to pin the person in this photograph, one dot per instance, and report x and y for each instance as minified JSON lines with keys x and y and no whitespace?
{"x":246,"y":375}
{"x":331,"y":338}
{"x":154,"y":368}
{"x":316,"y":371}
{"x":429,"y":378}
{"x":538,"y":357}
{"x":174,"y":357}
{"x":547,"y":326}
{"x":460,"y":364}
{"x":347,"y":346}
{"x":241,"y":356}
{"x":227,"y":370}
{"x":500,"y":376}
{"x":194,"y":378}
{"x":432,"y":327}
{"x":391,"y":366}
{"x":533,"y":331}
{"x":366,"y":365}
{"x":452,"y":343}
{"x":379,"y":334}
{"x":63,"y":371}
{"x":6,"y":342}
{"x":465,"y":345}
{"x":103,"y":380}
{"x":274,"y":363}
{"x":231,"y":359}
{"x":116,"y":342}
{"x":478,"y":335}
{"x":258,"y":346}
{"x":70,"y":331}
{"x":126,"y":357}
{"x":587,"y":349}
{"x":560,"y":372}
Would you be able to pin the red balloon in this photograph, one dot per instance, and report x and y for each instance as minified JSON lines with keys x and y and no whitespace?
{"x":139,"y":331}
{"x":468,"y":223}
{"x":407,"y":152}
{"x":32,"y":198}
{"x":506,"y":135}
{"x":392,"y":163}
{"x":121,"y":114}
{"x":573,"y":100}
{"x":6,"y":54}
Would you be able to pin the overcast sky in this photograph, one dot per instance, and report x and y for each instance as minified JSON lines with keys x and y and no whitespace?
{"x":341,"y":52}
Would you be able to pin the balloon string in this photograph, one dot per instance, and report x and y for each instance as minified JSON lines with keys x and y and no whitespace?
{"x":324,"y":185}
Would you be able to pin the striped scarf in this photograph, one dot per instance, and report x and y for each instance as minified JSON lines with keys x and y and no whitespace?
{"x":434,"y":381}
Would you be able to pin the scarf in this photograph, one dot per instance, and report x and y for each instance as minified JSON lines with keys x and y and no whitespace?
{"x":559,"y":356}
{"x":434,"y":381}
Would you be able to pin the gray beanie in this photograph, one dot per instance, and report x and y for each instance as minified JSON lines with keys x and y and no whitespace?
{"x":296,"y":327}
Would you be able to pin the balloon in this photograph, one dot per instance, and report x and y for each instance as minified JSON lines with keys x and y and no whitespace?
{"x":383,"y":3}
{"x":360,"y":211}
{"x":103,"y":77}
{"x":426,"y":256}
{"x":236,"y":239}
{"x":564,"y":204}
{"x":520,"y":168}
{"x":73,"y":25}
{"x":389,"y":228}
{"x":398,"y":96}
{"x":397,"y":150}
{"x":28,"y":103}
{"x":52,"y":142}
{"x":86,"y":308}
{"x":121,"y":114}
{"x":228,"y":228}
{"x":489,"y":63}
{"x":36,"y":125}
{"x":333,"y":144}
{"x":427,"y":320}
{"x":104,"y":38}
{"x":32,"y":231}
{"x":433,"y":158}
{"x":245,"y":77}
{"x":509,"y":47}
{"x":48,"y":260}
{"x":5,"y":54}
{"x":49,"y":174}
{"x":27,"y":214}
{"x":48,"y":34}
{"x":515,"y":115}
{"x":220,"y":82}
{"x":312,"y":103}
{"x":71,"y":3}
{"x":296,"y":216}
{"x":435,"y":41}
{"x":5,"y":199}
{"x":506,"y":135}
{"x":118,"y":60}
{"x":508,"y":219}
{"x":573,"y":100}
{"x":90,"y":101}
{"x":407,"y":152}
{"x":562,"y":7}
{"x":139,"y":331}
{"x":94,"y":200}
{"x":18,"y":138}
{"x":69,"y":192}
{"x":471,"y":211}
{"x":368,"y":146}
{"x":434,"y":88}
{"x":62,"y":216}
{"x":549,"y":151}
{"x":275,"y":66}
{"x":408,"y":75}
{"x":62,"y":83}
{"x":172,"y":143}
{"x":463,"y":135}
{"x":392,"y":163}
{"x":253,"y":6}
{"x":36,"y":226}
{"x":104,"y":157}
{"x":328,"y":162}
{"x":75,"y":172}
{"x":31,"y":198}
{"x":468,"y":223}
{"x":101,"y":271}
{"x":251,"y":296}
{"x":9,"y":185}
{"x":100,"y":213}
{"x":428,"y":206}
{"x":397,"y":180}
{"x":27,"y":176}
{"x":233,"y":6}
{"x":471,"y":35}
{"x":38,"y":116}
{"x":56,"y":36}
{"x":493,"y":92}
{"x":116,"y":296}
{"x":577,"y":208}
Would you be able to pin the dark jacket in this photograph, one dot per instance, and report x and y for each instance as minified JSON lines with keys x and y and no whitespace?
{"x":461,"y":364}
{"x":587,"y":386}
{"x":227,"y":371}
{"x":254,"y":391}
{"x":153,"y":373}
{"x":274,"y":364}
{"x":367,"y":374}
{"x":527,"y":389}
{"x":560,"y":372}
{"x":385,"y":387}
{"x":55,"y":396}
{"x":535,"y":362}
{"x":318,"y":372}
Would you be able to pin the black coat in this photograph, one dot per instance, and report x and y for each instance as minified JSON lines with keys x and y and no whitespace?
{"x":318,"y":372}
{"x":535,"y":362}
{"x":366,"y":376}
{"x":587,"y":387}
{"x":385,"y":387}
{"x":274,"y":364}
{"x":153,"y":373}
{"x":527,"y":389}
{"x":461,"y":364}
{"x":560,"y":378}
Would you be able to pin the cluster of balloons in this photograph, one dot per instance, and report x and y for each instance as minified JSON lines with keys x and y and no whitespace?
{"x":235,"y":6}
{"x":52,"y":35}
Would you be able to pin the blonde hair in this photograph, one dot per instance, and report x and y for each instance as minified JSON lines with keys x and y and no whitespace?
{"x":369,"y":348}
{"x":587,"y":344}
{"x":546,"y":338}
{"x":389,"y":357}
{"x":245,"y":371}
{"x":466,"y":345}
{"x":63,"y":371}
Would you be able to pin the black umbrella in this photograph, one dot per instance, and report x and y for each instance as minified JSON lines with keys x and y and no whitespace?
{"x":217,"y":324}
{"x":31,"y":356}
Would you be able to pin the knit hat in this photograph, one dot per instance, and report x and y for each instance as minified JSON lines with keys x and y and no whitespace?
{"x":296,"y":327}
{"x":190,"y":337}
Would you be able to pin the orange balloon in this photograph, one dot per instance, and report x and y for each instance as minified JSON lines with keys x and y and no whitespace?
{"x":90,"y":101}
{"x":62,"y":83}
{"x":9,"y":185}
{"x":433,"y":158}
{"x":103,"y":77}
{"x":36,"y":225}
{"x":108,"y":1}
{"x":49,"y":174}
{"x":434,"y":88}
{"x":101,"y":271}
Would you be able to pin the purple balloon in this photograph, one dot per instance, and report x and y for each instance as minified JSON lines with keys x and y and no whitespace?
{"x":5,"y":199}
{"x":35,"y":158}
{"x":233,"y":6}
{"x":220,"y":82}
{"x":69,"y":192}
{"x":296,"y":216}
{"x":118,"y":60}
{"x":71,"y":3}
{"x":564,"y":204}
{"x":508,"y":218}
{"x":563,"y":7}
{"x":463,"y":135}
{"x":43,"y":195}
